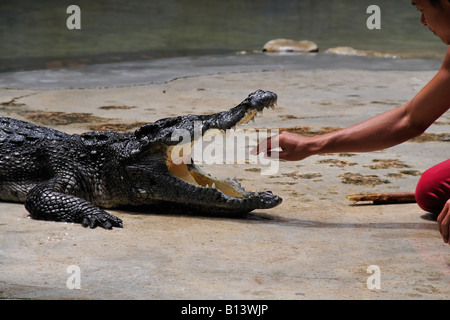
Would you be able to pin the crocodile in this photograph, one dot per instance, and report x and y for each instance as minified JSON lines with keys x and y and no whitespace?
{"x":74,"y":177}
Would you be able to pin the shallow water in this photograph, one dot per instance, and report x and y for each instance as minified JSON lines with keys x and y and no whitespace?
{"x":34,"y":35}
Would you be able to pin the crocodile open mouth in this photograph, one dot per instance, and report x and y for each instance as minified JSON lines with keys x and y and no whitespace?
{"x":225,"y":192}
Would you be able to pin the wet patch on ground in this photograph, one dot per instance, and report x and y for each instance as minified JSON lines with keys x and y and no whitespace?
{"x":309,"y":131}
{"x":289,"y":117}
{"x":116,"y":107}
{"x":388,"y":102}
{"x":61,"y":118}
{"x":441,"y":123}
{"x":94,"y":123}
{"x":258,"y":170}
{"x":402,"y":173}
{"x":119,"y":127}
{"x":386,"y":164}
{"x":427,"y":137}
{"x":347,"y":154}
{"x":362,"y":180}
{"x":297,"y":175}
{"x":337,"y":163}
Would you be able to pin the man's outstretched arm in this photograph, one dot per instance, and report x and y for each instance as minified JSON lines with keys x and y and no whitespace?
{"x":380,"y":132}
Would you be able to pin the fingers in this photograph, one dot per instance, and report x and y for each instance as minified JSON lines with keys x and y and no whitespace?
{"x":273,"y":155}
{"x":266,"y":146}
{"x":291,"y":146}
{"x":444,"y":222}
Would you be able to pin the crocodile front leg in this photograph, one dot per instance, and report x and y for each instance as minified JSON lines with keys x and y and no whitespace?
{"x":46,"y":202}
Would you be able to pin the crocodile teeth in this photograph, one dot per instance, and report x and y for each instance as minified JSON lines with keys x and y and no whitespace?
{"x":213,"y":186}
{"x":249,"y":115}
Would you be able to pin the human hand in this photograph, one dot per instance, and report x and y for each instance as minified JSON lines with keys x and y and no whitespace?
{"x":293,"y":147}
{"x":444,"y":222}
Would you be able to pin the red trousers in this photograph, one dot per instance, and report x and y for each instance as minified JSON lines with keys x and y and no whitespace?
{"x":433,"y":188}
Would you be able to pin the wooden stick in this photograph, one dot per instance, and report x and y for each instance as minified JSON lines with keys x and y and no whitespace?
{"x":384,"y":198}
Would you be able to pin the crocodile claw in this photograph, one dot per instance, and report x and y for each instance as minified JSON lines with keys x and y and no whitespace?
{"x":104,"y":220}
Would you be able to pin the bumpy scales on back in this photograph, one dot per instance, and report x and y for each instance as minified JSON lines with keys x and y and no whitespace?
{"x":64,"y":177}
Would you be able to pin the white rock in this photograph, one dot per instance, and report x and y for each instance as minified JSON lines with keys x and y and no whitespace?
{"x":348,"y":51}
{"x":288,"y":45}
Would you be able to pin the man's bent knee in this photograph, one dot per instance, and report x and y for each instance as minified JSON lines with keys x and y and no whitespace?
{"x":433,"y":188}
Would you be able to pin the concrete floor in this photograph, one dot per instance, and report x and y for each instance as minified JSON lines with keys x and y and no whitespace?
{"x":315,"y":245}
